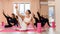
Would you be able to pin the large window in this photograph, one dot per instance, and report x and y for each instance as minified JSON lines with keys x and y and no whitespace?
{"x":51,"y":13}
{"x":22,"y":7}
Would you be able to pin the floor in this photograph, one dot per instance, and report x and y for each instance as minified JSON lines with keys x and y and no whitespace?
{"x":49,"y":31}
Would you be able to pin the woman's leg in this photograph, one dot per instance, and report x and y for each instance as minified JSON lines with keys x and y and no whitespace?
{"x":48,"y":24}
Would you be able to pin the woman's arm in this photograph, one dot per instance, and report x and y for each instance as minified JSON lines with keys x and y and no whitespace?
{"x":4,"y":14}
{"x":17,"y":11}
{"x":19,"y":14}
{"x":32,"y":19}
{"x":38,"y":15}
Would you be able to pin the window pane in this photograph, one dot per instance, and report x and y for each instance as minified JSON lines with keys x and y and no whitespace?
{"x":51,"y":13}
{"x":27,"y":7}
{"x":22,"y":9}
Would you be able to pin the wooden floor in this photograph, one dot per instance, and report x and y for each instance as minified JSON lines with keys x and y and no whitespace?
{"x":49,"y":31}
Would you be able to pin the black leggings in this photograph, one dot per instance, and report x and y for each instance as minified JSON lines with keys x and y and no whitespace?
{"x":43,"y":24}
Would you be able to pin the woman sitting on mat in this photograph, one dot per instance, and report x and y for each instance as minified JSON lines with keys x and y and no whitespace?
{"x":28,"y":20}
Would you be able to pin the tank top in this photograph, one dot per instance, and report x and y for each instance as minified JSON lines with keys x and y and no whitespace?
{"x":27,"y":20}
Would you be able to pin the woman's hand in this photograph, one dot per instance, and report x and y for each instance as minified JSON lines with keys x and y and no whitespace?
{"x":16,"y":7}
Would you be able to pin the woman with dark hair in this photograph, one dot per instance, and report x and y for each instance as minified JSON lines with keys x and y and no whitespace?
{"x":40,"y":20}
{"x":36,"y":20}
{"x":43,"y":20}
{"x":27,"y":19}
{"x":10,"y":20}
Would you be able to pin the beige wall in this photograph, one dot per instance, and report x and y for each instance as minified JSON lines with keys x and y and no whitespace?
{"x":8,"y":4}
{"x":57,"y":14}
{"x":56,"y":3}
{"x":44,"y":9}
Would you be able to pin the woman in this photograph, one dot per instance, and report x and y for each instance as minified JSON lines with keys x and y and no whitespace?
{"x":10,"y":20}
{"x":43,"y":20}
{"x":36,"y":20}
{"x":27,"y":20}
{"x":46,"y":20}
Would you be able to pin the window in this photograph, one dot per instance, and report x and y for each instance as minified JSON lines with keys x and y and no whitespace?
{"x":22,"y":7}
{"x":51,"y":13}
{"x":27,"y":7}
